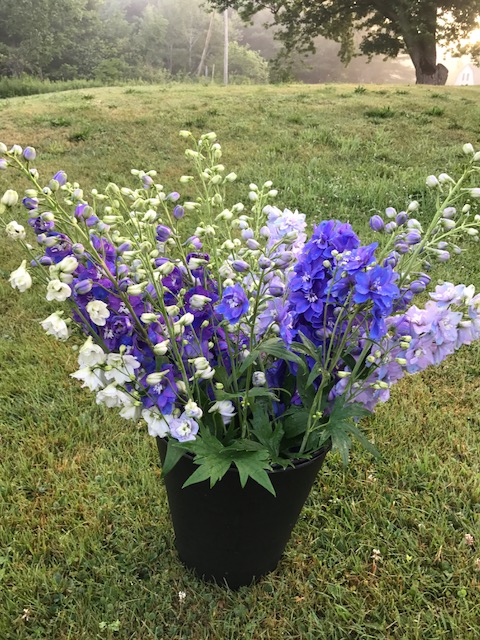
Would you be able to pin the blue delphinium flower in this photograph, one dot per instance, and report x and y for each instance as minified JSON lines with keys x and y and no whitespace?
{"x":234,"y":304}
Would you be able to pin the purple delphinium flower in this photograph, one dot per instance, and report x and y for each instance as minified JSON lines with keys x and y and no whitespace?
{"x":377,"y":223}
{"x":163,"y":233}
{"x":60,"y":177}
{"x":234,"y":304}
{"x":183,"y":429}
{"x":30,"y":203}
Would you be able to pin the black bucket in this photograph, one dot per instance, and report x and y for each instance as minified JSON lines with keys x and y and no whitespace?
{"x":231,"y":535}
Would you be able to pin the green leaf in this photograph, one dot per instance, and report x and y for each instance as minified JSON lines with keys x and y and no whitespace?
{"x":307,"y":392}
{"x":254,"y":392}
{"x":174,"y":453}
{"x":268,"y":433}
{"x":295,"y":422}
{"x":273,"y":347}
{"x":253,"y":465}
{"x":211,"y":467}
{"x":314,"y":373}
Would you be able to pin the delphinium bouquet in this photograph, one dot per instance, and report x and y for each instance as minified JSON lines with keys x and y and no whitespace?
{"x":249,"y":341}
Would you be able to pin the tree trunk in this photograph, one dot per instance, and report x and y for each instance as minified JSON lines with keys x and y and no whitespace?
{"x":207,"y":45}
{"x":422,"y":49}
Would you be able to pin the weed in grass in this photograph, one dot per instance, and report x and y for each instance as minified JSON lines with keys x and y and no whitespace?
{"x":80,"y":135}
{"x":360,"y":89}
{"x":453,"y":125}
{"x":381,"y":113}
{"x":439,"y":96}
{"x":60,"y":122}
{"x":296,"y":119}
{"x":88,"y":96}
{"x":435,"y":111}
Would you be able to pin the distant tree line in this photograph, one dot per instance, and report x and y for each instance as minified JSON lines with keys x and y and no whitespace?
{"x":119,"y":39}
{"x":154,"y":40}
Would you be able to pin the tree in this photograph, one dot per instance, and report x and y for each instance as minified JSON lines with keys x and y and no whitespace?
{"x":414,"y":27}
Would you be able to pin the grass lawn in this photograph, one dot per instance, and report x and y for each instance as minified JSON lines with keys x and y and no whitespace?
{"x":86,"y":542}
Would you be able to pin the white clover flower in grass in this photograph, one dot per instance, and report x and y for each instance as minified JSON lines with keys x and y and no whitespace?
{"x":93,"y":379}
{"x":122,"y":368}
{"x":158,"y":424}
{"x":20,"y":278}
{"x":56,"y":326}
{"x":58,"y":291}
{"x":225,"y":408}
{"x":15,"y":231}
{"x":98,"y":312}
{"x":91,"y":354}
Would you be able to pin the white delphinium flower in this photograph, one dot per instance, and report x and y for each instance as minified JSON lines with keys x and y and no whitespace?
{"x":203,"y":370}
{"x":98,"y":312}
{"x":15,"y":231}
{"x":56,"y":326}
{"x":259,"y":379}
{"x":158,"y":424}
{"x":192,"y":410}
{"x":93,"y":379}
{"x":58,"y":291}
{"x":91,"y":354}
{"x":111,"y":396}
{"x":197,"y":301}
{"x":9,"y":198}
{"x":20,"y":278}
{"x":68,"y":264}
{"x":122,"y":368}
{"x":225,"y":408}
{"x":161,"y":348}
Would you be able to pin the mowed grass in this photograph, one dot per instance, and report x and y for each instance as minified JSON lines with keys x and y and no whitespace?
{"x":86,"y":542}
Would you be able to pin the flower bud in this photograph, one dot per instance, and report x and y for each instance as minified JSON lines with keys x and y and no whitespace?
{"x":475,"y":193}
{"x":443,"y":178}
{"x":3,"y":148}
{"x":135,"y":289}
{"x":148,"y":318}
{"x":16,"y":150}
{"x":377,"y":223}
{"x":83,"y":287}
{"x":155,"y":378}
{"x":240,"y":266}
{"x":448,"y":224}
{"x":468,"y":149}
{"x":390,"y":212}
{"x":29,"y":154}
{"x":9,"y":198}
{"x":258,"y":379}
{"x":476,"y":156}
{"x":231,"y":177}
{"x":161,"y":348}
{"x":432,"y":182}
{"x":413,"y":206}
{"x":401,"y":218}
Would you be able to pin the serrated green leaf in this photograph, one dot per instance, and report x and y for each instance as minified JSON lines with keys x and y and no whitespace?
{"x":253,"y":465}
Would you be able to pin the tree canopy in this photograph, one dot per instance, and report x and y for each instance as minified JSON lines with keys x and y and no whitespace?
{"x":414,"y":27}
